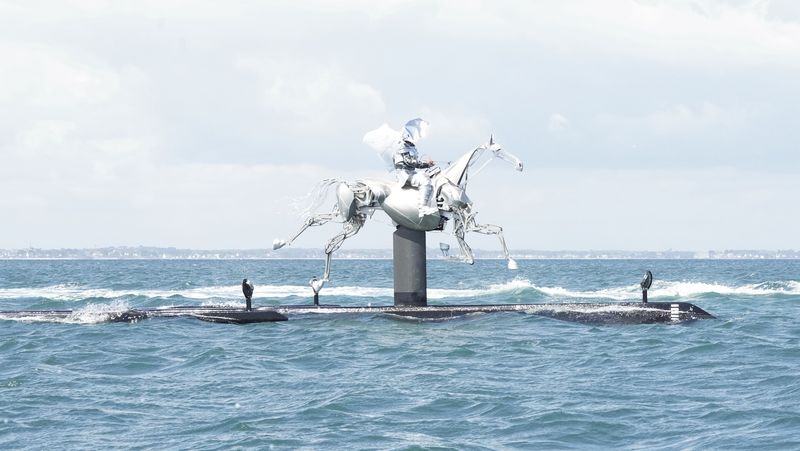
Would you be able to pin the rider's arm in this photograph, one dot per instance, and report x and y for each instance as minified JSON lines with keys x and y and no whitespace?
{"x":406,"y":161}
{"x":407,"y":158}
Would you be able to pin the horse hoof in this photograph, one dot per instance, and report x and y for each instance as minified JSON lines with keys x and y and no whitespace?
{"x":512,"y":264}
{"x":277,"y":244}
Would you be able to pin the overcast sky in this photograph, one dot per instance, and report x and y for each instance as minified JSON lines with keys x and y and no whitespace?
{"x":643,"y":125}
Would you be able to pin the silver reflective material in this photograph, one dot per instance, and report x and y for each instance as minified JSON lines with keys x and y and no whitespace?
{"x":414,"y":130}
{"x":406,"y":200}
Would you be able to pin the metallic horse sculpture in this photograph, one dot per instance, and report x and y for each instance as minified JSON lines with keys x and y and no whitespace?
{"x":357,"y":201}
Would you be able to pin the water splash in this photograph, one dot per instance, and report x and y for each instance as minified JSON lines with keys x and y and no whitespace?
{"x":88,"y":314}
{"x":97,"y":313}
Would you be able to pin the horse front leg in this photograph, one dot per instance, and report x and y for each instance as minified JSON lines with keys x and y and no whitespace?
{"x":311,"y":221}
{"x":491,"y":229}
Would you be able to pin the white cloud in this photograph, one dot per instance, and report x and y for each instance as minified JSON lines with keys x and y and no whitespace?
{"x":67,"y":116}
{"x":375,"y":10}
{"x":557,"y":123}
{"x":677,"y":119}
{"x":310,"y":94}
{"x":678,"y":32}
{"x":453,"y":132}
{"x":55,"y":12}
{"x":191,"y":205}
{"x":638,"y":209}
{"x":117,"y":120}
{"x":48,"y":77}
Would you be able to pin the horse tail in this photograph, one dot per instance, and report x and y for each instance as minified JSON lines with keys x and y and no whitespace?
{"x":319,"y":195}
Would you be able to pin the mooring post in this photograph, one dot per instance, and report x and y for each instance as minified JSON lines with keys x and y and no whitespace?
{"x":410,"y":268}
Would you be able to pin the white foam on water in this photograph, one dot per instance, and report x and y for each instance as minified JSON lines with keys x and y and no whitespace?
{"x":233,"y":293}
{"x":97,"y":313}
{"x":690,"y":289}
{"x":30,"y":318}
{"x":515,"y":285}
{"x":89,"y":314}
{"x":64,"y":292}
{"x":677,"y":289}
{"x":589,"y":308}
{"x":76,"y":293}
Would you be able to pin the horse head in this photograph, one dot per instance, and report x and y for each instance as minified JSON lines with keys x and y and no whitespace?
{"x":498,"y":152}
{"x":458,"y":171}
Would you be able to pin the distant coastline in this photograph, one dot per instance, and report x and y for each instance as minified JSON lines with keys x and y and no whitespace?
{"x":171,"y":253}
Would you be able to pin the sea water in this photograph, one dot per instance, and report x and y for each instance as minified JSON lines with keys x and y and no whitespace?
{"x":484,"y":381}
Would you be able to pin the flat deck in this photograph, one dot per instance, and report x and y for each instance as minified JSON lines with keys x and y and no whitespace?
{"x":589,"y":313}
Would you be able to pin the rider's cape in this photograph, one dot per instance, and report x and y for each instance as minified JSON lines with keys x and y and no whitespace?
{"x":388,"y":141}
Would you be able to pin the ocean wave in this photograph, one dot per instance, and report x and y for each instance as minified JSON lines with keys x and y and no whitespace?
{"x":97,"y":313}
{"x":513,"y":286}
{"x":678,"y":289}
{"x":665,"y":289}
{"x":77,"y":293}
{"x":692,"y":289}
{"x":88,"y":314}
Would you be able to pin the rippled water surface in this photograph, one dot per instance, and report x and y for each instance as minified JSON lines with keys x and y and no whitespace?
{"x":499,"y":381}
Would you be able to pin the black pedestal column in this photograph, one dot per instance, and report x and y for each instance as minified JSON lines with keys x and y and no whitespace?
{"x":410,"y":268}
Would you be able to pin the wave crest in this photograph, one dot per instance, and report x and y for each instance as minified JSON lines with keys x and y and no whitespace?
{"x":664,"y":289}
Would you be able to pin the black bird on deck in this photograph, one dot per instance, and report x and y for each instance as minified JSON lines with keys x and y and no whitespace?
{"x":647,"y":282}
{"x":247,"y":290}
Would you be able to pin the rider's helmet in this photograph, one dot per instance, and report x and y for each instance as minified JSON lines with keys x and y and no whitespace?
{"x":414,"y":130}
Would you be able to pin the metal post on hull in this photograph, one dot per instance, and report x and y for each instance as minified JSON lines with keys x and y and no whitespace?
{"x":316,"y":285}
{"x":410,"y":268}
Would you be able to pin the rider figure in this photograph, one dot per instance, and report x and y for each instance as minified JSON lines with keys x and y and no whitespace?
{"x":411,"y":171}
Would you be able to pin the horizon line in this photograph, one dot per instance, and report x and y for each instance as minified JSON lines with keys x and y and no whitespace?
{"x":259,"y":249}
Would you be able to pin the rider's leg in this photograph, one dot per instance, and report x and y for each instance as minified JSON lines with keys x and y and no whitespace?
{"x":466,"y":251}
{"x":425,"y":187}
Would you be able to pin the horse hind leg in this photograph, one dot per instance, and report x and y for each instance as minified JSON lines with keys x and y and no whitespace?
{"x":350,"y":228}
{"x":311,"y":221}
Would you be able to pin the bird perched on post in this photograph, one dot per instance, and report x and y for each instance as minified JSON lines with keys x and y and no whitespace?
{"x":247,"y":290}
